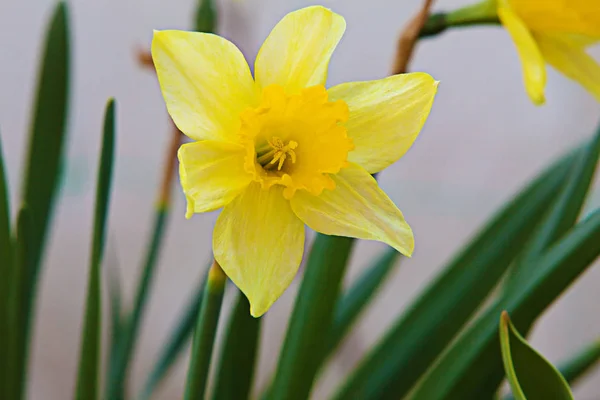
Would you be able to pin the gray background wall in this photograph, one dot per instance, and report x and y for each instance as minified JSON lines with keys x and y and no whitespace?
{"x":483,"y":140}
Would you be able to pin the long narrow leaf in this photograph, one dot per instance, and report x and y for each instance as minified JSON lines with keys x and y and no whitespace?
{"x":238,"y":354}
{"x":564,"y":212}
{"x":454,"y":375}
{"x":118,"y":365}
{"x":354,"y":301}
{"x":115,"y":304}
{"x":45,"y":155}
{"x":23,"y":264}
{"x":581,"y":363}
{"x":5,"y":272}
{"x":529,"y":374}
{"x":561,"y":217}
{"x":429,"y":325}
{"x":89,"y":359}
{"x":204,"y":335}
{"x":304,"y":348}
{"x":177,"y":341}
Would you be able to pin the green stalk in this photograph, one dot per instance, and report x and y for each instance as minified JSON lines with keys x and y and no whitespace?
{"x":238,"y":354}
{"x":304,"y":346}
{"x":204,"y":335}
{"x":483,"y":13}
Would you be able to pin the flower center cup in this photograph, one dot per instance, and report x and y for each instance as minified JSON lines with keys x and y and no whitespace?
{"x":296,"y":140}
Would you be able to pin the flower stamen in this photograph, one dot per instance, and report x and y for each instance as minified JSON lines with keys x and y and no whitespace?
{"x":279,"y":151}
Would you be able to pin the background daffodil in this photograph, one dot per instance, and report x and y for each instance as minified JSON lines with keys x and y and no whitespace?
{"x":280,"y":151}
{"x":556,"y":32}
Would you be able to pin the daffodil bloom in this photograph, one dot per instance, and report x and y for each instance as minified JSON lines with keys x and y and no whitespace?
{"x":556,"y":32}
{"x":279,"y":150}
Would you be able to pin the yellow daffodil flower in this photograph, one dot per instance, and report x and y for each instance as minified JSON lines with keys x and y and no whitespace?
{"x":556,"y":32}
{"x":280,"y":151}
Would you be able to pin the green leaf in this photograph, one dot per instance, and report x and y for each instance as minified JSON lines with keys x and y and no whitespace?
{"x":238,"y":354}
{"x":115,"y":304}
{"x":89,"y":358}
{"x":354,"y":301}
{"x":48,"y":129}
{"x":393,"y":367}
{"x":23,"y":265}
{"x":561,"y":217}
{"x":5,"y":271}
{"x":581,"y":363}
{"x":304,"y":348}
{"x":564,"y":212}
{"x":45,"y":154}
{"x":453,"y":375}
{"x":118,"y":365}
{"x":529,"y":374}
{"x":176,"y":342}
{"x":204,"y":335}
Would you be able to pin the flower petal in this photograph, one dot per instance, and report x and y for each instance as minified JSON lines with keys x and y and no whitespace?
{"x":296,"y":54}
{"x":212,"y":174}
{"x":357,"y":207}
{"x":534,"y":68}
{"x":386,"y":116}
{"x":258,"y":241}
{"x":205,"y":81}
{"x":573,"y":16}
{"x":570,"y":58}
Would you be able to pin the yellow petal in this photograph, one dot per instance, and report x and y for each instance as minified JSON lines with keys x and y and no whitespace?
{"x":385,"y":116}
{"x":566,"y":16}
{"x":212,"y":174}
{"x":358,"y":208}
{"x":205,"y":81}
{"x":296,"y":54}
{"x":534,"y":68}
{"x":571,"y":60}
{"x":258,"y":241}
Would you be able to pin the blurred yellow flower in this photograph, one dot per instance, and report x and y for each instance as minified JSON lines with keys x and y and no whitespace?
{"x":556,"y":32}
{"x":280,"y":151}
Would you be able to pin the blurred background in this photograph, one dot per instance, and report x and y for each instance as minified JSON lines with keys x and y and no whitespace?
{"x":484,"y":139}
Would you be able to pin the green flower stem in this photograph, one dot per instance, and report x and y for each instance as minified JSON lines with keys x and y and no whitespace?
{"x":483,"y":13}
{"x":305,"y":344}
{"x":204,"y":335}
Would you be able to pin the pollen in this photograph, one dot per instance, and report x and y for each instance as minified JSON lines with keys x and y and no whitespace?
{"x":276,"y":151}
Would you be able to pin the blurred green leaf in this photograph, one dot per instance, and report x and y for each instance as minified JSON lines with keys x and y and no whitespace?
{"x":304,"y":346}
{"x":529,"y":374}
{"x":5,"y":272}
{"x":48,"y":129}
{"x":23,"y":265}
{"x":204,"y":335}
{"x":354,"y":301}
{"x":581,"y":363}
{"x":397,"y":362}
{"x":206,"y":16}
{"x":177,"y":341}
{"x":89,"y":358}
{"x":466,"y":362}
{"x":47,"y":136}
{"x":238,"y":353}
{"x":118,"y":365}
{"x":116,"y":305}
{"x":565,"y":210}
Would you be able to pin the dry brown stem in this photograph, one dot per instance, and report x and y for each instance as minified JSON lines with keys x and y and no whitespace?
{"x":408,"y":39}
